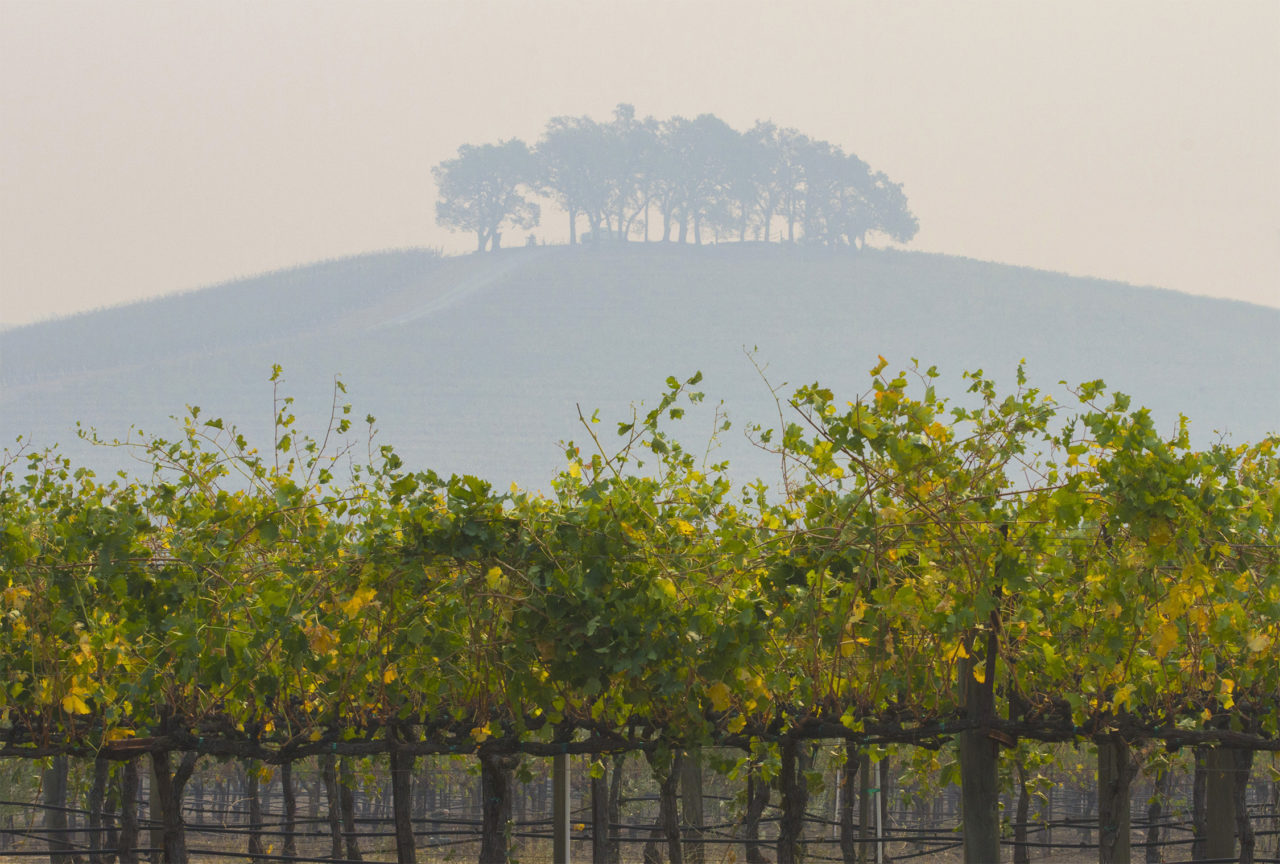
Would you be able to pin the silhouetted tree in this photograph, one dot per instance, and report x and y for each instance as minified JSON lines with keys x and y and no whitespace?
{"x":766,"y":176}
{"x":745,"y":164}
{"x":892,"y":215}
{"x":481,"y":190}
{"x":633,"y":145}
{"x":699,"y":170}
{"x":575,"y":161}
{"x":663,"y":177}
{"x":782,"y":192}
{"x":835,"y":195}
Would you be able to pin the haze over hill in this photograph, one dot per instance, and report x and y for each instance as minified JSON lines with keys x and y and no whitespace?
{"x":475,"y":364}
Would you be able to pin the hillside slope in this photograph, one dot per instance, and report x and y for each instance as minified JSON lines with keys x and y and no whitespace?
{"x":475,"y":364}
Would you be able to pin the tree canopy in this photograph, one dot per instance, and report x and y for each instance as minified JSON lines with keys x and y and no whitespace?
{"x":700,"y":178}
{"x":481,"y":190}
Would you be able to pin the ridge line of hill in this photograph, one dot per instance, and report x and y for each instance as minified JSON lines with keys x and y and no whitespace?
{"x":432,"y":254}
{"x":475,"y":363}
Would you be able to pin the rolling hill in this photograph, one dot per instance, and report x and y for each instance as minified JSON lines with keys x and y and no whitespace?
{"x":475,"y":364}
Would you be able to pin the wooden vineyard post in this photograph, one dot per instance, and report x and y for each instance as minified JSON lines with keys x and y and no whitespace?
{"x":560,"y":808}
{"x":1116,"y":770}
{"x":1240,"y":781}
{"x":691,"y":804}
{"x":600,"y":816}
{"x":1220,"y":812}
{"x":127,"y":850}
{"x":55,"y":814}
{"x":496,"y":795}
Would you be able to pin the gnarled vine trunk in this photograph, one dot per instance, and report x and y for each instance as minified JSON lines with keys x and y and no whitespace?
{"x":402,"y":798}
{"x":97,"y":797}
{"x":849,"y":839}
{"x":979,"y":766}
{"x":757,"y":801}
{"x":667,"y":772}
{"x":290,"y":809}
{"x":346,"y":795}
{"x":866,"y":818}
{"x":251,"y":780}
{"x":1199,"y":819}
{"x":329,"y":775}
{"x":166,"y":795}
{"x":111,"y":816}
{"x":615,"y":807}
{"x":691,"y":804}
{"x":1022,"y":852}
{"x":794,"y":792}
{"x":1155,"y":809}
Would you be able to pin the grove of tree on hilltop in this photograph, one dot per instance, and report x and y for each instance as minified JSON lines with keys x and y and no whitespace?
{"x":678,"y":179}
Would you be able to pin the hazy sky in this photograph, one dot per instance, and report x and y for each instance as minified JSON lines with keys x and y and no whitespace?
{"x":148,"y":147}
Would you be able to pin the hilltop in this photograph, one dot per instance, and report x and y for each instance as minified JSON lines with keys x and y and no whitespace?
{"x":476,"y":364}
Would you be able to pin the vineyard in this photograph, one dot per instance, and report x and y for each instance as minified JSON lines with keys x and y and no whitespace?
{"x":970,"y":591}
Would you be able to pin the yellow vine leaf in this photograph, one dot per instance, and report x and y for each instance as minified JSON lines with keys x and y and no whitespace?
{"x":1226,"y":691}
{"x":1122,"y":696}
{"x":754,"y":682}
{"x":321,"y":639}
{"x":73,"y":704}
{"x":358,"y":601}
{"x":1166,"y":637}
{"x":495,"y":579}
{"x":15,"y":597}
